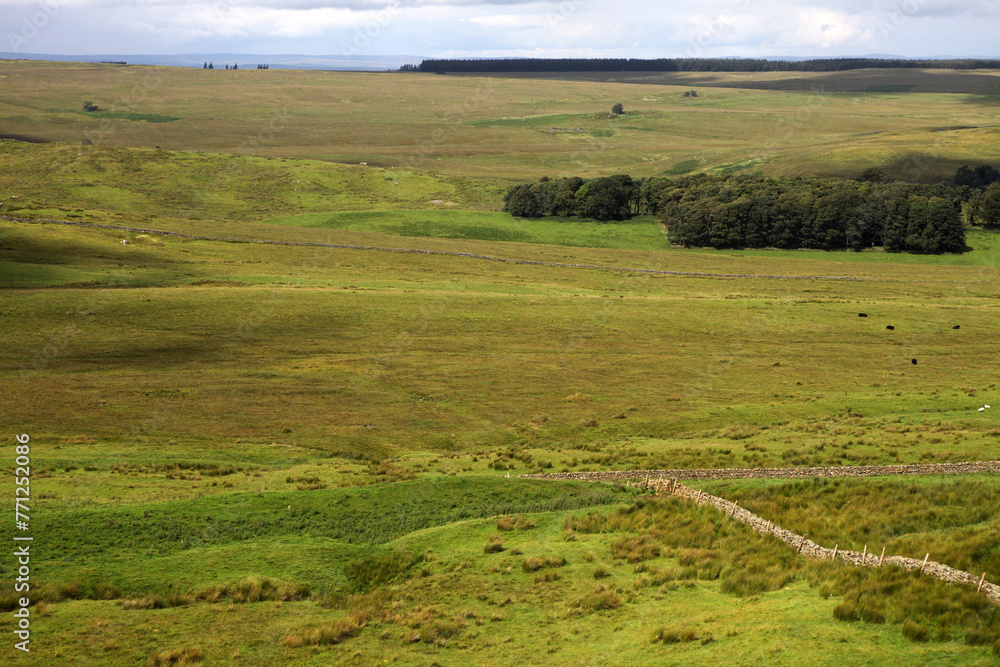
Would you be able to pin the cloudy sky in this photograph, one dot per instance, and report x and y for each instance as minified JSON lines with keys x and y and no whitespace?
{"x":461,"y":28}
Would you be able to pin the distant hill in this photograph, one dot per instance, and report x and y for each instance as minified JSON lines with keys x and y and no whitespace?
{"x":243,"y":60}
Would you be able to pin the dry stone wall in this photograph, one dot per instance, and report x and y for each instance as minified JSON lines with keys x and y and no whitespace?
{"x":666,"y":482}
{"x":781,"y":473}
{"x":810,"y":549}
{"x":507,"y":260}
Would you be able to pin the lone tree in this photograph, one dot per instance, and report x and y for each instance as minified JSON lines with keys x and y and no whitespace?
{"x":90,"y":106}
{"x":618,"y":109}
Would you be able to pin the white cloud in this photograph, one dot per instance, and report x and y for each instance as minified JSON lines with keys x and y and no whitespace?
{"x":815,"y":27}
{"x":585,"y":28}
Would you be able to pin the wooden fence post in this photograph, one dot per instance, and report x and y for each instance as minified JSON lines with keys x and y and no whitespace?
{"x":881,"y":557}
{"x":981,"y":580}
{"x":924,"y":564}
{"x":801,"y":542}
{"x":835,"y":551}
{"x":864,"y":554}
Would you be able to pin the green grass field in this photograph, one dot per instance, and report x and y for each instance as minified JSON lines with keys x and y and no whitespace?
{"x":304,"y":454}
{"x":640,"y":233}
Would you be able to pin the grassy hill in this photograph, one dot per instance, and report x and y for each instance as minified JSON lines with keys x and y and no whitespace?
{"x":917,"y":125}
{"x":306,"y":453}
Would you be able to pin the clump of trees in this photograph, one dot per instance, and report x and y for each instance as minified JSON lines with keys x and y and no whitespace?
{"x":822,"y":214}
{"x":604,"y":199}
{"x":618,"y":109}
{"x":692,"y":64}
{"x":752,"y":211}
{"x":90,"y":106}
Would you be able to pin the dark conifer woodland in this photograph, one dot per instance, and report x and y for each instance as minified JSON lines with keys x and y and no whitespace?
{"x":752,"y":211}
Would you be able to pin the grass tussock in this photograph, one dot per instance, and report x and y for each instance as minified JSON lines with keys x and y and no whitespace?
{"x":740,"y":431}
{"x":707,"y":545}
{"x":380,"y":569}
{"x":601,"y":598}
{"x":370,"y":609}
{"x":246,"y":590}
{"x":535,"y":563}
{"x":493,"y":545}
{"x":389,"y":471}
{"x":635,"y":549}
{"x":178,"y":656}
{"x":928,"y":609}
{"x":680,"y":635}
{"x":519,"y":522}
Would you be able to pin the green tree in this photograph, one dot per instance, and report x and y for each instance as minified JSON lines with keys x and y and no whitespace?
{"x":935,"y":226}
{"x":565,"y":203}
{"x":522,"y":202}
{"x":618,"y":109}
{"x":607,"y":199}
{"x":989,"y":207}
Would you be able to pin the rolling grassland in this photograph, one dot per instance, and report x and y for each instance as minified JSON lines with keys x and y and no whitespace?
{"x":918,"y":125}
{"x":301,"y":445}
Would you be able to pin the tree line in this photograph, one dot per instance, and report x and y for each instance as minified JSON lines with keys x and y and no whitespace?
{"x":486,"y":65}
{"x":209,"y":65}
{"x":754,"y":211}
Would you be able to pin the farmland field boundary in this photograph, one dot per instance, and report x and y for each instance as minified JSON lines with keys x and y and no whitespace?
{"x":419,"y":251}
{"x":966,"y":467}
{"x":665,"y":482}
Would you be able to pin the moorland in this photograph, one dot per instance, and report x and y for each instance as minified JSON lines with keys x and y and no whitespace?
{"x":302,"y":444}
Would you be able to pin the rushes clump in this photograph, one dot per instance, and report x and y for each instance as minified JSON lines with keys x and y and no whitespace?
{"x":178,"y":656}
{"x":534,"y":564}
{"x":493,"y":545}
